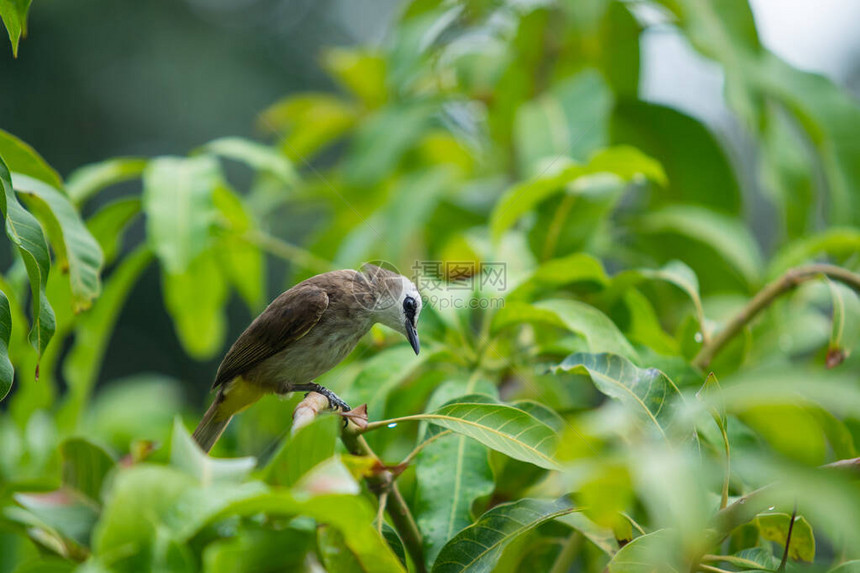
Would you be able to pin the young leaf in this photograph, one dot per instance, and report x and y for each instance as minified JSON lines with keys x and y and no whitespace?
{"x":646,"y":554}
{"x":7,"y":372}
{"x":845,"y":333}
{"x":712,"y":394}
{"x":88,"y":180}
{"x":109,"y":223}
{"x":24,"y":231}
{"x":311,"y":445}
{"x":243,"y":262}
{"x":23,"y":159}
{"x":186,"y":455}
{"x":648,"y":392}
{"x":477,"y":548}
{"x":85,"y":466}
{"x":774,"y":527}
{"x":596,"y":328}
{"x":14,"y":16}
{"x":177,"y":200}
{"x":256,"y":155}
{"x":74,"y":246}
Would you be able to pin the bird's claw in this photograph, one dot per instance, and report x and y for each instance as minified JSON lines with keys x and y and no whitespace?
{"x":334,"y":402}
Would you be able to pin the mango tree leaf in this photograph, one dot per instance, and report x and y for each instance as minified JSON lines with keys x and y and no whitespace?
{"x":61,"y":514}
{"x":243,"y":262}
{"x":74,"y":247}
{"x":845,"y":333}
{"x":569,"y":120}
{"x":697,"y":169}
{"x":576,"y":268}
{"x":93,"y":332}
{"x":727,"y":236}
{"x":24,"y":231}
{"x":450,"y":474}
{"x":186,"y":455}
{"x":334,"y":553}
{"x":177,"y":200}
{"x":602,"y":537}
{"x":836,"y":241}
{"x":774,"y":527}
{"x":109,"y":223}
{"x":309,"y":446}
{"x":88,"y":180}
{"x":847,"y":567}
{"x":711,"y":393}
{"x":7,"y":372}
{"x":195,"y":299}
{"x":23,"y":159}
{"x":258,"y":549}
{"x":624,"y":162}
{"x":478,"y":547}
{"x":646,"y":554}
{"x":256,"y":155}
{"x":506,"y":429}
{"x":85,"y":465}
{"x":361,"y":72}
{"x":384,"y":372}
{"x":596,"y":328}
{"x":648,"y":392}
{"x":14,"y":16}
{"x":309,"y":122}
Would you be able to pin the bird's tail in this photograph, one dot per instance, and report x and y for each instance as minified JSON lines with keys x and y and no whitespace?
{"x":231,"y":399}
{"x":211,"y":426}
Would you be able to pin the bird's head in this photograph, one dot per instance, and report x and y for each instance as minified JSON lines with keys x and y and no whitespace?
{"x":397,"y":302}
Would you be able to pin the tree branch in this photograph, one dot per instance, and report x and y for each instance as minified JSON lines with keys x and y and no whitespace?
{"x":765,"y":297}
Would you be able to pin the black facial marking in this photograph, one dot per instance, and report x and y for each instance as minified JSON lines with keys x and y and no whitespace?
{"x":409,"y":308}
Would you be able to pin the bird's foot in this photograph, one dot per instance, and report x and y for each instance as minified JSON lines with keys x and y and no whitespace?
{"x":334,"y":401}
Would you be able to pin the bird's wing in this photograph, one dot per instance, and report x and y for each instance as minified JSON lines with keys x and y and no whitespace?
{"x":286,"y":320}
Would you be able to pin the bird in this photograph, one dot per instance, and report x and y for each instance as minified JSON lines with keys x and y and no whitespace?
{"x":305,"y":332}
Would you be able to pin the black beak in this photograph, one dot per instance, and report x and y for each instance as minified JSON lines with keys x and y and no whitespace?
{"x":412,"y":336}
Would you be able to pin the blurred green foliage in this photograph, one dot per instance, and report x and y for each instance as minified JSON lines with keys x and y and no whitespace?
{"x":565,"y":420}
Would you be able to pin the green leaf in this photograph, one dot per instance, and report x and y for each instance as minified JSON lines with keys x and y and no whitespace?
{"x":450,"y":473}
{"x":256,"y":155}
{"x":774,"y":527}
{"x":506,"y":429}
{"x":478,"y":547}
{"x":24,"y":231}
{"x":88,"y":180}
{"x":847,"y":567}
{"x":845,"y":333}
{"x":60,"y":514}
{"x":257,"y":549}
{"x":195,"y":299}
{"x":334,"y":553}
{"x":602,"y":537}
{"x":177,"y":200}
{"x":648,"y":392}
{"x":186,"y":455}
{"x":244,"y":263}
{"x":309,"y":122}
{"x":361,"y":72}
{"x":75,"y":249}
{"x":626,"y":163}
{"x":725,"y":235}
{"x":109,"y":223}
{"x":570,"y":120}
{"x":7,"y":371}
{"x":383,"y":373}
{"x":599,"y":332}
{"x":23,"y":159}
{"x":85,"y":465}
{"x":14,"y":16}
{"x":697,"y":169}
{"x":306,"y":448}
{"x":551,"y":275}
{"x":836,"y":241}
{"x":711,"y":393}
{"x":93,"y":332}
{"x":647,"y":554}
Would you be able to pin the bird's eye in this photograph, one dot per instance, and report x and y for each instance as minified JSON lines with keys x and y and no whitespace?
{"x":409,"y":306}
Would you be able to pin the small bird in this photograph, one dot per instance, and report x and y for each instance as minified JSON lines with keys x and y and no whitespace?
{"x":304,"y":333}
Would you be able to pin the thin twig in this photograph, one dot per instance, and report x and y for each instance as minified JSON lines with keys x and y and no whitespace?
{"x":781,"y":568}
{"x":398,"y":511}
{"x":765,"y":297}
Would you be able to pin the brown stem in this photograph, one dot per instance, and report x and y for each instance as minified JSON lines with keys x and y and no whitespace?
{"x":765,"y":297}
{"x":398,"y":511}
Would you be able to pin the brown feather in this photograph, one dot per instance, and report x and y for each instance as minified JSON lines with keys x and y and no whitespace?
{"x":287,"y":319}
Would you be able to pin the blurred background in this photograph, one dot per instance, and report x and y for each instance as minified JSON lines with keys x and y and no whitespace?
{"x":98,"y":79}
